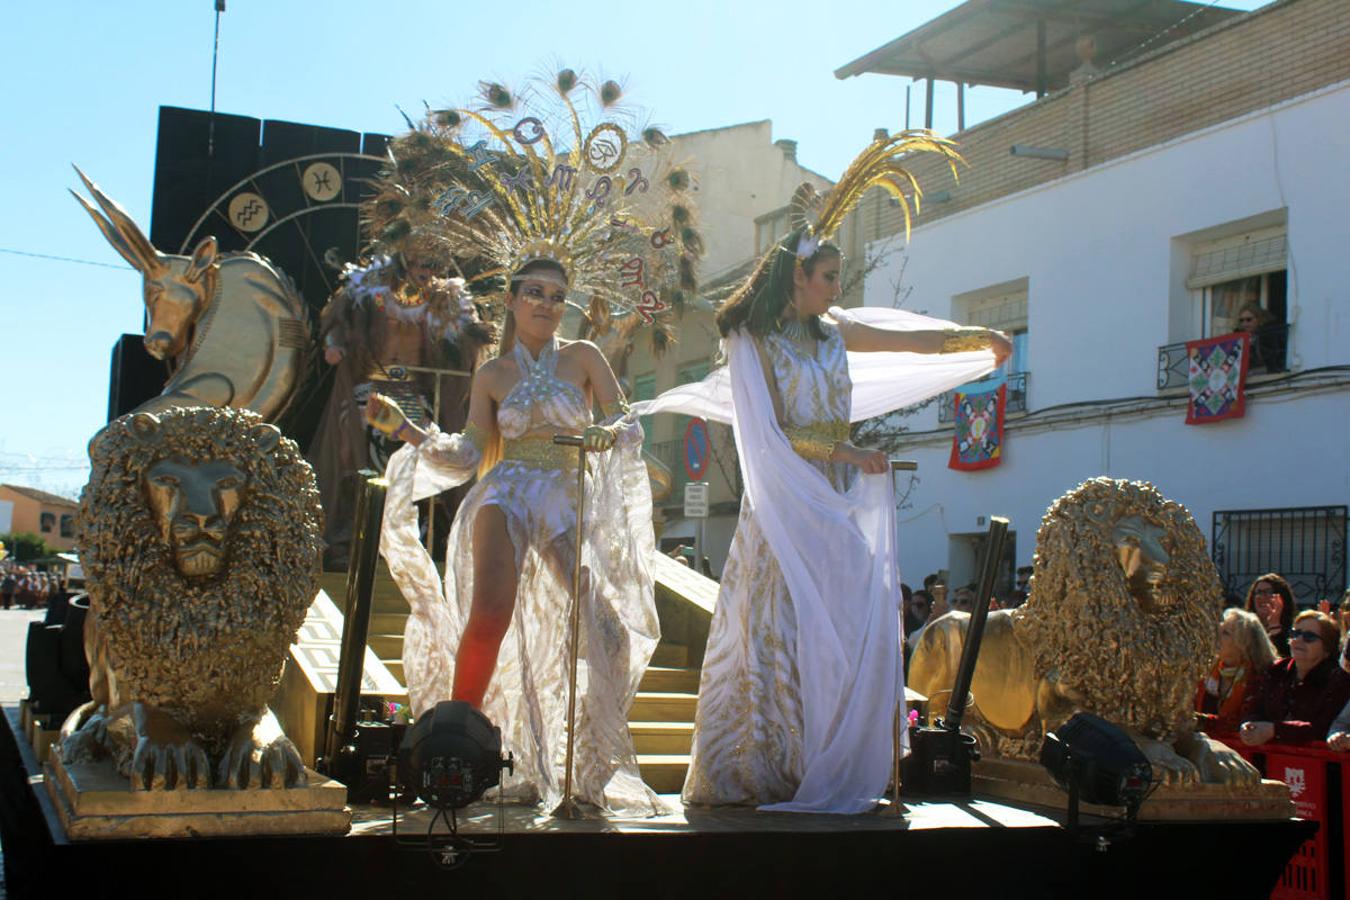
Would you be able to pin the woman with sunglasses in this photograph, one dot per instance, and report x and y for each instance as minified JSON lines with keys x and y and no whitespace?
{"x":1245,"y":652}
{"x":498,"y":639}
{"x":1299,"y":697}
{"x":1271,"y":598}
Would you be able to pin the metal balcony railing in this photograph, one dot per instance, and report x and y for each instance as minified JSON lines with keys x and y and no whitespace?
{"x":1016,"y":401}
{"x":1269,"y":351}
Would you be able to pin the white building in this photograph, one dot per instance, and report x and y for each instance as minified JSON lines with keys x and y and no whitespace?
{"x":1103,"y":266}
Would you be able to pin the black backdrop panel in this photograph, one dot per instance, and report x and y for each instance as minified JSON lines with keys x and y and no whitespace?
{"x":135,"y":378}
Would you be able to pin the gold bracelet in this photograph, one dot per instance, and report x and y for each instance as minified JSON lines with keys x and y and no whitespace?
{"x":474,"y":435}
{"x":616,"y":407}
{"x":962,"y":340}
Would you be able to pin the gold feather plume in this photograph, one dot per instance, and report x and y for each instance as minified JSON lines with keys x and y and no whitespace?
{"x":881,"y":164}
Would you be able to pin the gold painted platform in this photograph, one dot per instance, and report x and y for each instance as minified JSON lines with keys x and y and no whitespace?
{"x":94,"y":802}
{"x":1025,"y":782}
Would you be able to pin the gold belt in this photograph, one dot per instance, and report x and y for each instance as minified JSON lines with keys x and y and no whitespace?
{"x":817,"y":440}
{"x":540,"y":452}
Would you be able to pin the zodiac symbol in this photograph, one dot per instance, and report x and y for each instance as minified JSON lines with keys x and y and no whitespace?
{"x":520,"y":181}
{"x":631,"y":271}
{"x":649,"y":304}
{"x":248,"y":211}
{"x":600,"y":190}
{"x":480,"y":154}
{"x":535,"y":124}
{"x":562,"y":176}
{"x":662,"y":238}
{"x":636,"y":180}
{"x":467,"y":203}
{"x":605,"y":147}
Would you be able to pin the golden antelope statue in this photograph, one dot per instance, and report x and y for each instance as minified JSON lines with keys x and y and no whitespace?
{"x":233,"y":324}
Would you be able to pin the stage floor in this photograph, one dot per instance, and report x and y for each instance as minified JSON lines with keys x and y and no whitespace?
{"x":979,"y":847}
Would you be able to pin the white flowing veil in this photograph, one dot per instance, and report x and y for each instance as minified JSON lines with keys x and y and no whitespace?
{"x":837,"y":552}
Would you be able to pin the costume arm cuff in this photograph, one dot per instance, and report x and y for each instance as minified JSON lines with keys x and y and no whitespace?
{"x":627,"y":428}
{"x":962,"y":340}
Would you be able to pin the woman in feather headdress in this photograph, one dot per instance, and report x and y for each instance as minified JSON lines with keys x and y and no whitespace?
{"x":556,"y":226}
{"x":803,"y":669}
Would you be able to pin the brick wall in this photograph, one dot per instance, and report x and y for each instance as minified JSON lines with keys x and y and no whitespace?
{"x":1245,"y":64}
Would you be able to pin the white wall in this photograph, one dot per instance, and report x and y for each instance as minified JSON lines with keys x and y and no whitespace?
{"x":6,"y":516}
{"x":1099,"y":251}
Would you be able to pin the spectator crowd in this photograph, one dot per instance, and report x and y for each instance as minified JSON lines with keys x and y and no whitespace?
{"x":27,"y":588}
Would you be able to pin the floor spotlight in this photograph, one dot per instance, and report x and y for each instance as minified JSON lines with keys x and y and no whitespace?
{"x":1097,"y":762}
{"x":452,"y":755}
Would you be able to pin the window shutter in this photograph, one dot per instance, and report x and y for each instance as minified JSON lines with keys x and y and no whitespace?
{"x":1240,"y":256}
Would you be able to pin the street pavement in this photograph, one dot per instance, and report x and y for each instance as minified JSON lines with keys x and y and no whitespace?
{"x":13,"y":682}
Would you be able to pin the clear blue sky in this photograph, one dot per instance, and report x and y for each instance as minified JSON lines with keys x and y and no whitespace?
{"x":84,"y":81}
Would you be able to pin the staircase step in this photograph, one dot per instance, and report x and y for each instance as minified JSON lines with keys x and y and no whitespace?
{"x":386,"y":646}
{"x":395,"y":667}
{"x":664,"y":773}
{"x":662,"y":737}
{"x":388,"y":622}
{"x":656,"y":706}
{"x":672,"y":655}
{"x":677,"y":681}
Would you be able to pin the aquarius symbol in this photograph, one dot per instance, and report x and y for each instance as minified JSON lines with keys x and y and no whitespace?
{"x":662,"y":238}
{"x":636,"y":180}
{"x":534,"y":123}
{"x":247,"y":212}
{"x":599,"y":190}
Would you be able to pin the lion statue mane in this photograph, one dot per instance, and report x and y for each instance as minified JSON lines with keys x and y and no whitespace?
{"x":1084,"y":627}
{"x":204,"y":655}
{"x":1088,"y":640}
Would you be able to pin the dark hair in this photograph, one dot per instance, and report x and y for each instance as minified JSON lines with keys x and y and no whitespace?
{"x":758,"y":303}
{"x":1286,"y":594}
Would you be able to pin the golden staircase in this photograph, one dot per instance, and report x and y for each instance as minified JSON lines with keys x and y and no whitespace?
{"x":662,"y":718}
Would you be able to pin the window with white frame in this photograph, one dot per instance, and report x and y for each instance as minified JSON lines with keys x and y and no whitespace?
{"x":1240,"y":282}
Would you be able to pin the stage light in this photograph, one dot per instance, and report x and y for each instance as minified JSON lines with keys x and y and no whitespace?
{"x":1097,"y":762}
{"x":451,"y":756}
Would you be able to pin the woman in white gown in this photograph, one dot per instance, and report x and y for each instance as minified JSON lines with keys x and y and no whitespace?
{"x":498,"y":636}
{"x":803,"y":668}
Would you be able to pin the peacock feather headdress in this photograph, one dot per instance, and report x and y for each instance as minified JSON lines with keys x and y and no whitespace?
{"x":561,"y":170}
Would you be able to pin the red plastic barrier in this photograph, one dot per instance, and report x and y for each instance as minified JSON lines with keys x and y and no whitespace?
{"x":1306,"y":769}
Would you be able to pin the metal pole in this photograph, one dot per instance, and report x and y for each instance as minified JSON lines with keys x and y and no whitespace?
{"x":928,"y":104}
{"x":698,"y":546}
{"x":569,"y":808}
{"x":356,"y":620}
{"x":215,"y":55}
{"x":901,"y":714}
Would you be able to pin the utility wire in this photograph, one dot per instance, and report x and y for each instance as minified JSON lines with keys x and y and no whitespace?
{"x":69,"y":259}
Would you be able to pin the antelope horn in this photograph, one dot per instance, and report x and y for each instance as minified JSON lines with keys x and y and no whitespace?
{"x":119,"y":229}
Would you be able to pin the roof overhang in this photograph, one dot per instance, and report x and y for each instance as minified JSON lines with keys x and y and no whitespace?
{"x":1031,"y":45}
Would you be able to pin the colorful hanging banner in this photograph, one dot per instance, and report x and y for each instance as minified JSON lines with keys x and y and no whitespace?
{"x":978,"y":441}
{"x":1217,"y":374}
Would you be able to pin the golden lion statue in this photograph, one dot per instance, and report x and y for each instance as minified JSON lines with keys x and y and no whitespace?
{"x":199,"y":531}
{"x":1122,"y":622}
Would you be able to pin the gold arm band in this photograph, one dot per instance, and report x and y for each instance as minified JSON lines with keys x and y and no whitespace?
{"x":962,"y":340}
{"x":817,"y":440}
{"x":475,"y":435}
{"x":616,"y":407}
{"x":539,"y":452}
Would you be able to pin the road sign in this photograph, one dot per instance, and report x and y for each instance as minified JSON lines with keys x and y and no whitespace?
{"x":696,"y":449}
{"x":696,"y":500}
